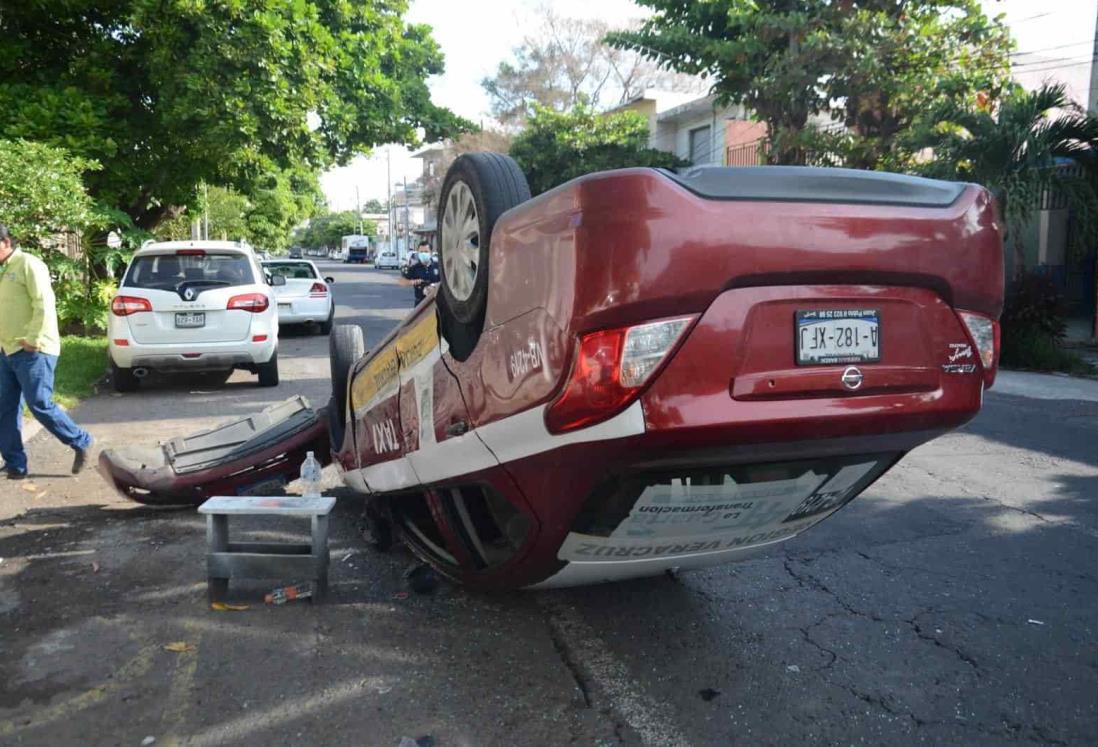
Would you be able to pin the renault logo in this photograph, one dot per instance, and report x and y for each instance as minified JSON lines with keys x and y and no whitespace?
{"x":851,"y":378}
{"x":188,"y":295}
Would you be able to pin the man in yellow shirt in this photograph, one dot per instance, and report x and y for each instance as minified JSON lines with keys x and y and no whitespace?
{"x":29,"y":347}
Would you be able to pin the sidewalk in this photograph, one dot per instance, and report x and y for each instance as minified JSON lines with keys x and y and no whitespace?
{"x":1045,"y":386}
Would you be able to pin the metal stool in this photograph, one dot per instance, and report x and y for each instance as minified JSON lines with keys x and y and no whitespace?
{"x":225,"y":559}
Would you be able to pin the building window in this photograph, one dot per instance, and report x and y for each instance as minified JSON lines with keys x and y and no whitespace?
{"x":701,"y":145}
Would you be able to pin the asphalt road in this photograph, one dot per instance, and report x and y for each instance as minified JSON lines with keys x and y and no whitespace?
{"x":955,"y":602}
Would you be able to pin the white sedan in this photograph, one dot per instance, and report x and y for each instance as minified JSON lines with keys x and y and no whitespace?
{"x":306,"y":296}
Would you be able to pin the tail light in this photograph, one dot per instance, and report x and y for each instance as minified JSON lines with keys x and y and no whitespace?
{"x":610,"y":370}
{"x":319,"y":290}
{"x":984,"y":332}
{"x":253,"y":302}
{"x":126,"y":305}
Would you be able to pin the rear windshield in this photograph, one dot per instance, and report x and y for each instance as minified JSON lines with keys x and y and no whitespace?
{"x":169,"y":271}
{"x":291,"y":270}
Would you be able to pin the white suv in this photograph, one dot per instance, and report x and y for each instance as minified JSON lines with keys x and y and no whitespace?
{"x":193,"y":306}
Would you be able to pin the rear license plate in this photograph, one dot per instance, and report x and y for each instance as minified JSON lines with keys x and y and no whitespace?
{"x":190,"y":319}
{"x":838,"y":336}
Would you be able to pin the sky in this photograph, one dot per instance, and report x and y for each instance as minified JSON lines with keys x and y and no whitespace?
{"x":475,"y":35}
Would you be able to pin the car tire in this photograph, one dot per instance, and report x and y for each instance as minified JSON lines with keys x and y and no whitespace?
{"x":326,"y":325}
{"x":346,"y":345}
{"x":488,"y":184}
{"x":123,"y":379}
{"x":268,"y":372}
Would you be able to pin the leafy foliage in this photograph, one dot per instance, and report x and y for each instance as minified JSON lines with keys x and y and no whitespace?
{"x":1034,"y":304}
{"x":1017,"y":149}
{"x":1029,"y":349}
{"x":42,"y":193}
{"x":327,"y":231}
{"x":875,"y":66}
{"x":558,"y":146}
{"x":44,"y":204}
{"x":265,"y":219}
{"x":174,"y":93}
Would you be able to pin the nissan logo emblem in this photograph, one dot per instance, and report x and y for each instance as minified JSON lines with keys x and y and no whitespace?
{"x":851,"y":378}
{"x":188,"y":295}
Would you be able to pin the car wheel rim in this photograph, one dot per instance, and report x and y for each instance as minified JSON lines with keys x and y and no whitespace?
{"x":460,"y":241}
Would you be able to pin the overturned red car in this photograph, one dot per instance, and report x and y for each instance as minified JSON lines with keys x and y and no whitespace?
{"x":642,"y":370}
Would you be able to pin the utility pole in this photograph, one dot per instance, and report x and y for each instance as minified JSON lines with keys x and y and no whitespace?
{"x":407,"y":233}
{"x":358,"y":210}
{"x":206,"y":216}
{"x":389,"y":195}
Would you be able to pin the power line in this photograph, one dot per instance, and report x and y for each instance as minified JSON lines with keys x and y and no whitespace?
{"x":1088,"y":42}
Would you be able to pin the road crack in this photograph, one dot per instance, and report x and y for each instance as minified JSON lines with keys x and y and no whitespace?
{"x":568,"y":658}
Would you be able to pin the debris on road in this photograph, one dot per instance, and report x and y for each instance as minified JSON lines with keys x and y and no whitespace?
{"x":1031,"y":621}
{"x":179,"y":647}
{"x":147,"y":741}
{"x":707,"y":694}
{"x":424,"y":741}
{"x":95,"y":567}
{"x":421,"y":578}
{"x":223,"y":607}
{"x":402,"y":595}
{"x":289,"y":594}
{"x":793,"y":668}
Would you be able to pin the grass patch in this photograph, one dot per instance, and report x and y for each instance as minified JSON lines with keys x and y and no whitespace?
{"x":82,"y":364}
{"x":1037,"y":351}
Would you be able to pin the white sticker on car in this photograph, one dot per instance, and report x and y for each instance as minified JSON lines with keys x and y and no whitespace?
{"x":674,"y":519}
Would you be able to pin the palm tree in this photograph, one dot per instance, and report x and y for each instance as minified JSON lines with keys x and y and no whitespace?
{"x":1016,"y":149}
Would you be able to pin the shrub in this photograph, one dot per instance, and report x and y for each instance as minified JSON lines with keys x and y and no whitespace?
{"x":1034,"y":322}
{"x":558,"y":146}
{"x":1039,"y":352}
{"x":1034,"y":305}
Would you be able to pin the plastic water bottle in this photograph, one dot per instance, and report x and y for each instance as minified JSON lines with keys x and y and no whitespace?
{"x":310,"y":476}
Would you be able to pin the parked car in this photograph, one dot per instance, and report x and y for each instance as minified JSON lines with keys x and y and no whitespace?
{"x":193,"y":306}
{"x":387,"y":261}
{"x":305,"y":297}
{"x":641,"y":370}
{"x":295,"y":253}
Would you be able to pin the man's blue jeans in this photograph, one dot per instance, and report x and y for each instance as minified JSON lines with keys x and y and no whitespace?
{"x":29,"y":376}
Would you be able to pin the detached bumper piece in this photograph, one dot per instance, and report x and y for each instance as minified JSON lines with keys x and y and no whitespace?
{"x":251,"y":455}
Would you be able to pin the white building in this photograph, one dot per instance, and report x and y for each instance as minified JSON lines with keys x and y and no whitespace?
{"x":692,"y":127}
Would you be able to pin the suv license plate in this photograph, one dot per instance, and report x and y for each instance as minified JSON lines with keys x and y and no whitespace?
{"x":190,"y":319}
{"x":838,"y":336}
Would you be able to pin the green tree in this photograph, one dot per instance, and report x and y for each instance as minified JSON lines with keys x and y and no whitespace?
{"x":265,"y":219}
{"x":875,"y":66}
{"x":1017,"y":148}
{"x":898,"y":61}
{"x":558,"y":146}
{"x":373,"y":205}
{"x":42,"y":195}
{"x":327,"y":231}
{"x":174,"y":93}
{"x":44,"y":204}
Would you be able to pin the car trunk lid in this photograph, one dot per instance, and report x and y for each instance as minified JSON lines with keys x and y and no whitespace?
{"x":174,"y":320}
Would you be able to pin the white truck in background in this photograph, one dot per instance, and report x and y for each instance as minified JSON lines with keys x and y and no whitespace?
{"x":356,"y":248}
